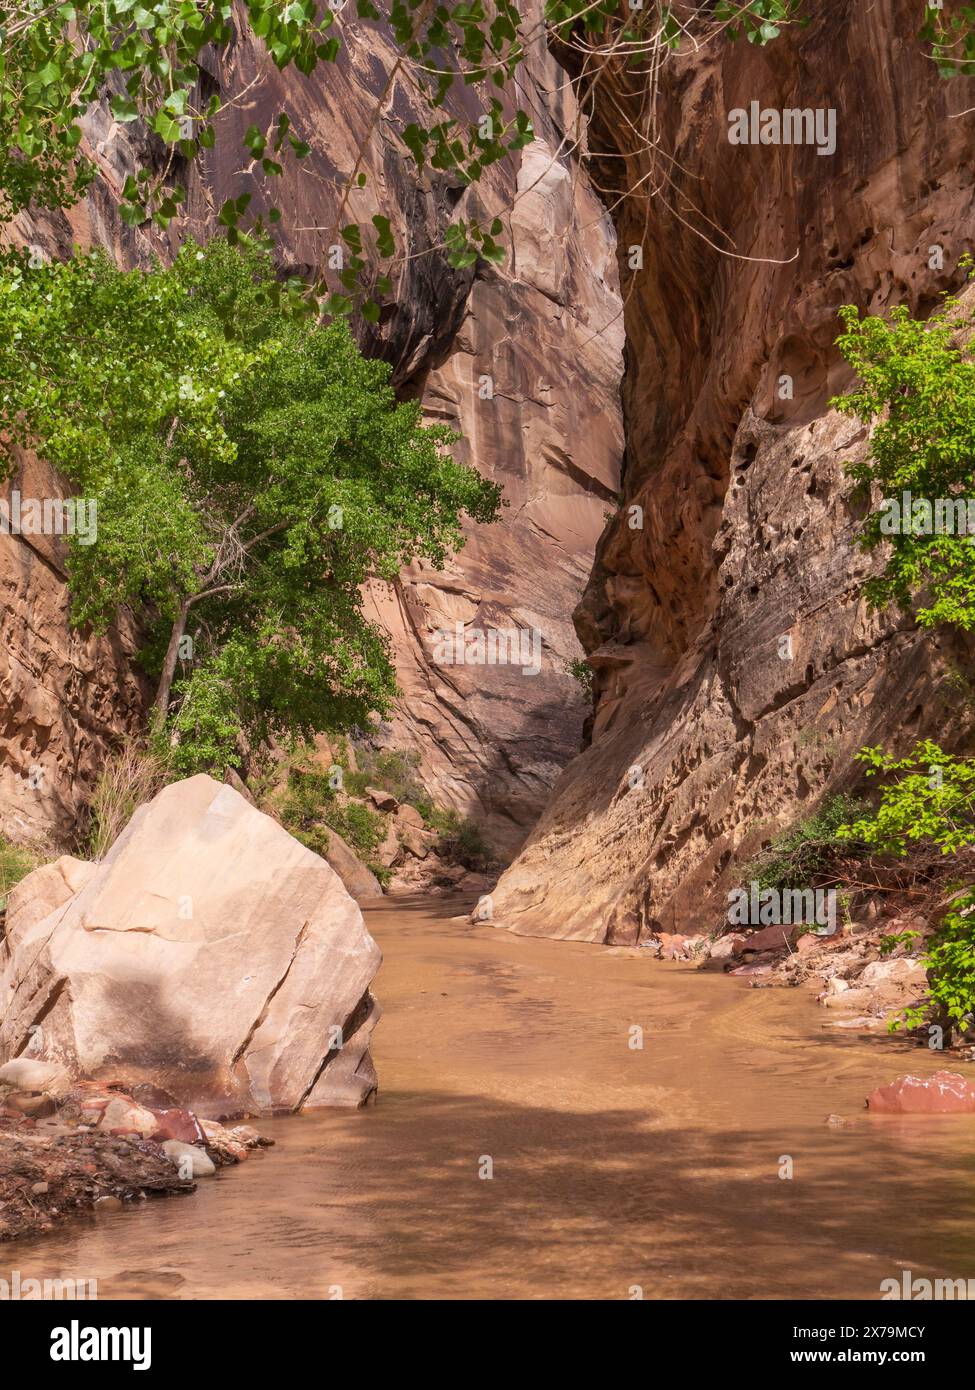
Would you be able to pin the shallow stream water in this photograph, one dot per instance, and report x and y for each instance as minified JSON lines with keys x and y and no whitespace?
{"x":615,"y":1168}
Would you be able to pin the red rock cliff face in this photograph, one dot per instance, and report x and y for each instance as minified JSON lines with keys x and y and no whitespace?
{"x":706,"y":737}
{"x":546,"y":329}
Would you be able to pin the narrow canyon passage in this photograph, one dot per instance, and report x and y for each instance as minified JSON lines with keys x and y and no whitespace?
{"x":613,"y":1167}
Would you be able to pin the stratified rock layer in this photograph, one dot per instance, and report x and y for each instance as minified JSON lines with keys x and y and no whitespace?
{"x":209,"y":954}
{"x":738,"y":666}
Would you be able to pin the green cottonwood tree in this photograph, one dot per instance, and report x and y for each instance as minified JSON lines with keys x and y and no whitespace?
{"x":251,"y":470}
{"x":142,"y":61}
{"x":917,"y":387}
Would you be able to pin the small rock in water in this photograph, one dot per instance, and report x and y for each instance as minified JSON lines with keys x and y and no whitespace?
{"x":944,"y":1093}
{"x":247,"y":1134}
{"x":726,"y":946}
{"x":191,"y":1161}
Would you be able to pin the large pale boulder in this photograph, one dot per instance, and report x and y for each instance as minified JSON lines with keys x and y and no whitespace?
{"x":210,"y":954}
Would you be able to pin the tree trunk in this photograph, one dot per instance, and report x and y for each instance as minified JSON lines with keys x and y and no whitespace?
{"x":161,"y":703}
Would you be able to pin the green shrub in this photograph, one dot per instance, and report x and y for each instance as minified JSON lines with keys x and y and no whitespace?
{"x":932,"y":801}
{"x":581,"y":671}
{"x":950,"y":963}
{"x":393,"y":771}
{"x":916,"y":388}
{"x":892,"y":940}
{"x":807,"y":852}
{"x":359,"y":826}
{"x":462,"y":842}
{"x":307,"y":795}
{"x":950,"y":960}
{"x":16,"y":863}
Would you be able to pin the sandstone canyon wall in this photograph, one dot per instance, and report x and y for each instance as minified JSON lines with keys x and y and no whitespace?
{"x":705,"y":739}
{"x":546,"y":328}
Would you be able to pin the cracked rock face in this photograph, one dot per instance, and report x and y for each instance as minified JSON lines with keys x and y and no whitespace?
{"x":209,"y":953}
{"x":63,"y":693}
{"x":738,"y":667}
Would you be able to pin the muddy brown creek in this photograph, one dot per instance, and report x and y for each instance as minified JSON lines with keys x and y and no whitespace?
{"x":615,"y":1168}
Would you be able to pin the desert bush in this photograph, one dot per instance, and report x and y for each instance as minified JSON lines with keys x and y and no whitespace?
{"x":462,"y":842}
{"x":804,"y":855}
{"x":16,"y":862}
{"x":131,"y":775}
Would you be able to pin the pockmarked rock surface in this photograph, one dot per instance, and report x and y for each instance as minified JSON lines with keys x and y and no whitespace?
{"x":209,"y":954}
{"x":524,"y":360}
{"x":738,"y":666}
{"x":64,"y":694}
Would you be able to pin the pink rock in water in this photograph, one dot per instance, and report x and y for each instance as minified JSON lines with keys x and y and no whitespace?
{"x":944,"y":1093}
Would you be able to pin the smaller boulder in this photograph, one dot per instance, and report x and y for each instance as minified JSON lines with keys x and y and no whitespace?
{"x":770,"y":938}
{"x":191,"y":1161}
{"x":177,"y":1123}
{"x":124,"y":1116}
{"x":249,"y":1137}
{"x":725,"y":946}
{"x":409,"y":815}
{"x":36,"y":1107}
{"x":389,"y":850}
{"x":474,"y":883}
{"x":840,"y":996}
{"x":902,"y":970}
{"x":33,"y":1074}
{"x":222,"y":1144}
{"x":417,"y":843}
{"x":672,"y":946}
{"x":382,"y":800}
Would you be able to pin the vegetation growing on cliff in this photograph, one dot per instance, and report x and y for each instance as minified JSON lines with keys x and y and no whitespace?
{"x":313,"y":800}
{"x":806,"y":855}
{"x":930,"y":801}
{"x":251,"y":470}
{"x":917,"y":389}
{"x":16,"y":863}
